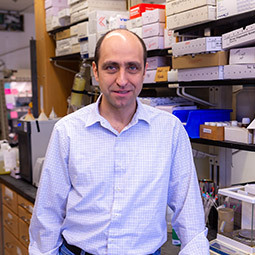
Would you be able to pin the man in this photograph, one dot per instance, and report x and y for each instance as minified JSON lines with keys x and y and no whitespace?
{"x":112,"y":167}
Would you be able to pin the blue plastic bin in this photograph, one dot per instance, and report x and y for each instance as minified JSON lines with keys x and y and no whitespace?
{"x":194,"y":118}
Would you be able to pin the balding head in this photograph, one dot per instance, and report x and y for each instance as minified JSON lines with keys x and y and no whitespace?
{"x":122,"y":33}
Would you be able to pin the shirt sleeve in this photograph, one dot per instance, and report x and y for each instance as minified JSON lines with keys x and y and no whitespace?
{"x":184,"y":197}
{"x":50,"y":204}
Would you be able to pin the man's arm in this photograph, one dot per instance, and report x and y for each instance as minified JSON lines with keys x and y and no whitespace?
{"x":185,"y":199}
{"x":49,"y":211}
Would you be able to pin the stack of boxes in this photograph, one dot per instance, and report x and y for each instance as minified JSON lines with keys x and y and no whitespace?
{"x":52,"y":9}
{"x":199,"y":59}
{"x":82,"y":37}
{"x":185,"y":13}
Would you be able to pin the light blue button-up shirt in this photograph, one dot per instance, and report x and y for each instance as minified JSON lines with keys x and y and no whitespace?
{"x":106,"y":192}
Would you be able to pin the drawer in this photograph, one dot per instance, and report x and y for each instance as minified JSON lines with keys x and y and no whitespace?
{"x":24,"y":214}
{"x":12,"y":245}
{"x":23,"y":233}
{"x":25,"y":204}
{"x":10,"y":198}
{"x":10,"y":220}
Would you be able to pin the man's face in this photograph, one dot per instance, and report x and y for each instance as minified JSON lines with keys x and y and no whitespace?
{"x":120,"y":70}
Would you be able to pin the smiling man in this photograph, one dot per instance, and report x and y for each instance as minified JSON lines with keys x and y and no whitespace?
{"x":112,"y":167}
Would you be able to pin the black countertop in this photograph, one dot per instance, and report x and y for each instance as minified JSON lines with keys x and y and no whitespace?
{"x":20,"y":186}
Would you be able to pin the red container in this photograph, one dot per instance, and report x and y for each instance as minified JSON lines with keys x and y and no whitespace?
{"x":137,"y":10}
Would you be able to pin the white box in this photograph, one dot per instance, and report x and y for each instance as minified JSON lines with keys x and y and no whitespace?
{"x":199,"y":45}
{"x":237,"y":134}
{"x":64,"y":13}
{"x":137,"y":22}
{"x":239,"y":71}
{"x":55,"y":3}
{"x":169,"y":38}
{"x":84,"y":47}
{"x":63,"y":51}
{"x":239,"y":37}
{"x":56,"y":22}
{"x":82,"y":29}
{"x":150,"y":76}
{"x":63,"y":43}
{"x":80,"y":15}
{"x":157,"y":61}
{"x":153,"y":16}
{"x":226,"y":8}
{"x":176,"y":6}
{"x":73,"y":30}
{"x":119,"y":5}
{"x":242,"y":56}
{"x":198,"y":74}
{"x":52,"y":11}
{"x":78,"y":6}
{"x":92,"y":40}
{"x":191,"y":17}
{"x":99,"y":19}
{"x":155,"y":29}
{"x":154,"y":43}
{"x":74,"y":40}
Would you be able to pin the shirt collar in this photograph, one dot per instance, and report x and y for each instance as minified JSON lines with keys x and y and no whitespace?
{"x":140,"y":114}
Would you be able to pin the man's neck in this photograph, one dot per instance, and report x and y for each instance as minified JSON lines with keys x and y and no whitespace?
{"x":119,"y":118}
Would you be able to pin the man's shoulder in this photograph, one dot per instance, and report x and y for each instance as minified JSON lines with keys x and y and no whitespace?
{"x":79,"y":116}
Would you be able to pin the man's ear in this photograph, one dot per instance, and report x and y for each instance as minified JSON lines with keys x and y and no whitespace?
{"x":145,"y":69}
{"x":95,"y":71}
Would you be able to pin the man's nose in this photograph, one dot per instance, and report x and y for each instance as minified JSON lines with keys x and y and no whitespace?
{"x":121,"y":79}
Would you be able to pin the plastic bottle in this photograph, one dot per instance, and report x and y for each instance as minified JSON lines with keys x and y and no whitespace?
{"x":78,"y":87}
{"x":4,"y":146}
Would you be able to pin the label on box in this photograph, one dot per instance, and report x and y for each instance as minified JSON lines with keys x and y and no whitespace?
{"x":207,"y":130}
{"x":162,"y":73}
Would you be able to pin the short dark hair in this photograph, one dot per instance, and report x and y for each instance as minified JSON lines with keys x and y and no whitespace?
{"x":101,"y":39}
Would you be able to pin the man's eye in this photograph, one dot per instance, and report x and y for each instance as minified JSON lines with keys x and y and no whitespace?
{"x":133,"y":68}
{"x":110,"y":67}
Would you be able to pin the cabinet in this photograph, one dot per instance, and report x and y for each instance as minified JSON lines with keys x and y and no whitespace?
{"x":16,"y":215}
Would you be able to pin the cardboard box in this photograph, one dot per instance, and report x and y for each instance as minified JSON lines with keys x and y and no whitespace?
{"x":55,"y":3}
{"x":155,"y":29}
{"x":154,"y":43}
{"x":176,"y":6}
{"x":219,"y":58}
{"x":191,"y":17}
{"x":157,"y":61}
{"x":169,"y":38}
{"x":137,"y":10}
{"x":82,"y":30}
{"x":239,"y":37}
{"x":157,"y":15}
{"x":239,"y":71}
{"x":78,"y":6}
{"x":64,"y":13}
{"x":74,"y":30}
{"x":99,"y":19}
{"x":242,"y":56}
{"x":237,"y":134}
{"x":199,"y":45}
{"x":203,"y":73}
{"x":63,"y":34}
{"x":211,"y":132}
{"x":150,"y":76}
{"x":226,"y":8}
{"x":84,"y":47}
{"x":80,"y":15}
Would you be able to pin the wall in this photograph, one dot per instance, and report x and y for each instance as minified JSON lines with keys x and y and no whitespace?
{"x":12,"y":41}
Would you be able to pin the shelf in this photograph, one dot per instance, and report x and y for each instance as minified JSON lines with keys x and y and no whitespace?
{"x":159,"y":52}
{"x":226,"y":144}
{"x":221,"y":26}
{"x":229,"y":82}
{"x":54,"y":31}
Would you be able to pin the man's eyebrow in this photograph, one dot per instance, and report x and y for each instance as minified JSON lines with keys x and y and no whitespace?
{"x":111,"y":63}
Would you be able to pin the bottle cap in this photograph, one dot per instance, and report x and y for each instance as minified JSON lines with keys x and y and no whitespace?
{"x":234,"y":123}
{"x":246,"y":121}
